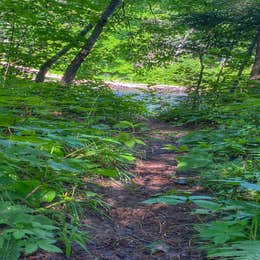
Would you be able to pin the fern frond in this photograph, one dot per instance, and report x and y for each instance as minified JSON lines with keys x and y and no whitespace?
{"x":244,"y":250}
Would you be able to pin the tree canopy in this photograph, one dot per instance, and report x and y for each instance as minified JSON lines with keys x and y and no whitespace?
{"x":157,"y":33}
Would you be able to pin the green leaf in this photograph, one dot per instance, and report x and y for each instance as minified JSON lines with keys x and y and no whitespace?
{"x":242,"y":250}
{"x":60,"y":166}
{"x":49,"y":196}
{"x":195,"y":160}
{"x":18,"y":234}
{"x":49,"y":247}
{"x":170,"y":200}
{"x":106,"y":172}
{"x":221,"y":231}
{"x":180,"y":149}
{"x":124,"y":125}
{"x":201,"y":212}
{"x":207,"y":204}
{"x":250,"y":186}
{"x":30,"y":248}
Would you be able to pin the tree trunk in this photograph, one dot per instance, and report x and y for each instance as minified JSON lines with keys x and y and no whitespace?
{"x":47,"y":64}
{"x":73,"y":67}
{"x":247,"y":58}
{"x":255,"y":72}
{"x":223,"y":65}
{"x":202,"y":67}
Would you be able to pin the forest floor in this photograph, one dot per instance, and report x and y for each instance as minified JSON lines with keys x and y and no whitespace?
{"x":135,"y":231}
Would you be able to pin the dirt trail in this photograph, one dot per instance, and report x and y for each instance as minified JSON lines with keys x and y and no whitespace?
{"x":134,"y":231}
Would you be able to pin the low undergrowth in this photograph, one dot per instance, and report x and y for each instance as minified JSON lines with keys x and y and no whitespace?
{"x":223,"y":148}
{"x":51,"y":139}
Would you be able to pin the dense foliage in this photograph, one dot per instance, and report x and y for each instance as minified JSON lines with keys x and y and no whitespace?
{"x":52,"y":139}
{"x":188,"y":42}
{"x":224,"y":150}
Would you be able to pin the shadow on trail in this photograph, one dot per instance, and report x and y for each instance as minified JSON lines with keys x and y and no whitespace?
{"x":133,"y":230}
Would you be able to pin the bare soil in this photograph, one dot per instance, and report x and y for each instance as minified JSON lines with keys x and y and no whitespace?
{"x":132,"y":230}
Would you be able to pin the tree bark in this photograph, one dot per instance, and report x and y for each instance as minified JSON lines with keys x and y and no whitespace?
{"x":223,"y":65}
{"x":247,"y":58}
{"x":73,"y":67}
{"x":255,"y":72}
{"x":202,"y":67}
{"x":48,"y":63}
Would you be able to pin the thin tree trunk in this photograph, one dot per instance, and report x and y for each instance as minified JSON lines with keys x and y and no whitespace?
{"x":48,"y":63}
{"x":249,"y":55}
{"x":202,"y":67}
{"x":223,"y":65}
{"x":9,"y":54}
{"x":181,"y":46}
{"x":73,"y":67}
{"x":255,"y":72}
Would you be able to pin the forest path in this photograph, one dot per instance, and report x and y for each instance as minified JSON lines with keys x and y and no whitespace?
{"x":136,"y":231}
